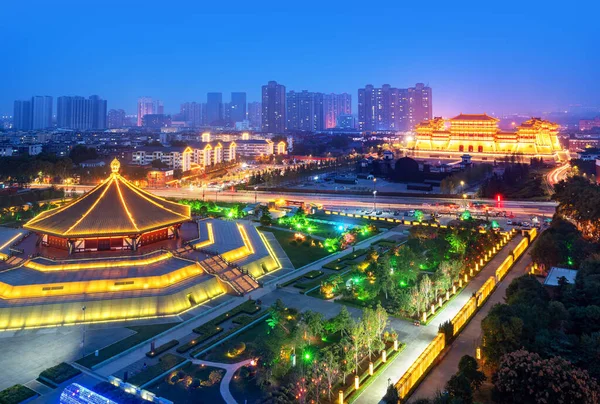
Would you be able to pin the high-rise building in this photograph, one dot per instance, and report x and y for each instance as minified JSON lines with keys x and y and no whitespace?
{"x":255,"y":114}
{"x":192,"y":113}
{"x":420,"y":101}
{"x":81,"y":113}
{"x":273,"y":108}
{"x":22,"y":115}
{"x":304,"y":111}
{"x":392,"y":109}
{"x":116,"y":118}
{"x":214,"y":109}
{"x":158,"y":107}
{"x":144,"y":107}
{"x":41,"y":107}
{"x":156,"y":121}
{"x":238,"y":107}
{"x":346,"y":122}
{"x":335,"y":105}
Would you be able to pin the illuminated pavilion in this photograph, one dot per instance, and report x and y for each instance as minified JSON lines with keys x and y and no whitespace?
{"x":115,"y":215}
{"x":43,"y":284}
{"x":479,"y":134}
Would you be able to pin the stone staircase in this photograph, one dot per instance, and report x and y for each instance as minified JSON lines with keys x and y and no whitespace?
{"x":239,"y":279}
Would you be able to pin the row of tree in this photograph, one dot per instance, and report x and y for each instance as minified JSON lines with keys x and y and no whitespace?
{"x":322,"y":368}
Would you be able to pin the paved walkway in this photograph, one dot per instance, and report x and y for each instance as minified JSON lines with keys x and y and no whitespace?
{"x":230,"y":369}
{"x":469,"y":339}
{"x":418,"y":341}
{"x":123,"y":362}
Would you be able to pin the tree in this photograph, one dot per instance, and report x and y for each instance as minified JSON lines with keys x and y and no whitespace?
{"x":469,"y":368}
{"x":459,"y":387}
{"x":384,"y":280}
{"x":265,"y":219}
{"x":81,"y":153}
{"x":391,"y":395}
{"x":159,"y":164}
{"x":331,"y":368}
{"x":525,"y":377}
{"x":314,"y":323}
{"x":343,"y":321}
{"x":502,"y":331}
{"x":357,"y":337}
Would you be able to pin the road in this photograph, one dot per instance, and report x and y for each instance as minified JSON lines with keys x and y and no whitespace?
{"x":558,"y":174}
{"x":519,"y":208}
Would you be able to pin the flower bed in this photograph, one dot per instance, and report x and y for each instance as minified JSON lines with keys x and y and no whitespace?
{"x":162,"y":348}
{"x":165,"y":363}
{"x":59,"y":374}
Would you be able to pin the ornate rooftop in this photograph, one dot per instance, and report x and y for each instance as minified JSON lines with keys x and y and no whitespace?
{"x":115,"y":207}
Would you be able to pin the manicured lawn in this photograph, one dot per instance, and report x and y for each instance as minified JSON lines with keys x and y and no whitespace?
{"x":16,"y":394}
{"x":201,"y":390}
{"x":300,"y":254}
{"x":143,"y":333}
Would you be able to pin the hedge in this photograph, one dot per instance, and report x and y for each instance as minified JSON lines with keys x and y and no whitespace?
{"x":336,"y":266}
{"x":313,"y":274}
{"x":162,"y":348}
{"x":211,"y":328}
{"x":60,"y":373}
{"x":165,"y":363}
{"x":16,"y":394}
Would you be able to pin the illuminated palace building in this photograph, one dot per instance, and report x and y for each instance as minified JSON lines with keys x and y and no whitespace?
{"x":478,"y":134}
{"x":119,"y":252}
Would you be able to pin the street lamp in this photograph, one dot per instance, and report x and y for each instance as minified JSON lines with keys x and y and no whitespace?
{"x":83,"y":333}
{"x":255,"y":194}
{"x":462,"y":186}
{"x":375,"y":202}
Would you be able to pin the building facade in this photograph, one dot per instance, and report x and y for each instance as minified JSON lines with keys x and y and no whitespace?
{"x":144,"y":107}
{"x":237,"y":107}
{"x":255,"y":114}
{"x":22,"y":115}
{"x":479,"y":133}
{"x":41,"y":112}
{"x":393,"y":109}
{"x":335,"y":105}
{"x":590,"y":124}
{"x":214,"y":108}
{"x":193,"y":113}
{"x":273,"y":108}
{"x":304,"y":111}
{"x":81,"y":113}
{"x":116,"y":118}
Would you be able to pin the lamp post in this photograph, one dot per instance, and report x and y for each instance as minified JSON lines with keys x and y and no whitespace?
{"x":255,"y":194}
{"x":203,"y":189}
{"x":83,"y":333}
{"x":375,"y":202}
{"x":462,"y":186}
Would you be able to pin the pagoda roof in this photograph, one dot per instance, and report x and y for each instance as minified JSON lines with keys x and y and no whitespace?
{"x":474,"y":117}
{"x":115,"y":207}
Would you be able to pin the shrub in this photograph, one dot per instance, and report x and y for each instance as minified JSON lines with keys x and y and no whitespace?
{"x":16,"y":394}
{"x":165,"y":363}
{"x":60,"y":373}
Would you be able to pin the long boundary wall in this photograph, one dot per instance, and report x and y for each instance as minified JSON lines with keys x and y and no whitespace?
{"x":422,"y":364}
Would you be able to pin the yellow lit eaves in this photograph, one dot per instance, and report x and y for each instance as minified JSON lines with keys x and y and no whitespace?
{"x":3,"y":246}
{"x":125,"y":206}
{"x":211,"y":237}
{"x":140,"y":193}
{"x":97,"y":264}
{"x":270,"y":250}
{"x":53,"y":212}
{"x":91,"y":207}
{"x":245,"y":239}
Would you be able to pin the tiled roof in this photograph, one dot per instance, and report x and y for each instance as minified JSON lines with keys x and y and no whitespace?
{"x":474,"y":117}
{"x":115,"y":207}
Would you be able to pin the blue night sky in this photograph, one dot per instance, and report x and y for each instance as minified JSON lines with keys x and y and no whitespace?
{"x":492,"y":56}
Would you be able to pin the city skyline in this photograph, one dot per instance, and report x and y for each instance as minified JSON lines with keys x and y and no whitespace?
{"x":494,"y":64}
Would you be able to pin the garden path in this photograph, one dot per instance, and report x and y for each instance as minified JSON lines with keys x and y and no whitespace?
{"x":230,"y":369}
